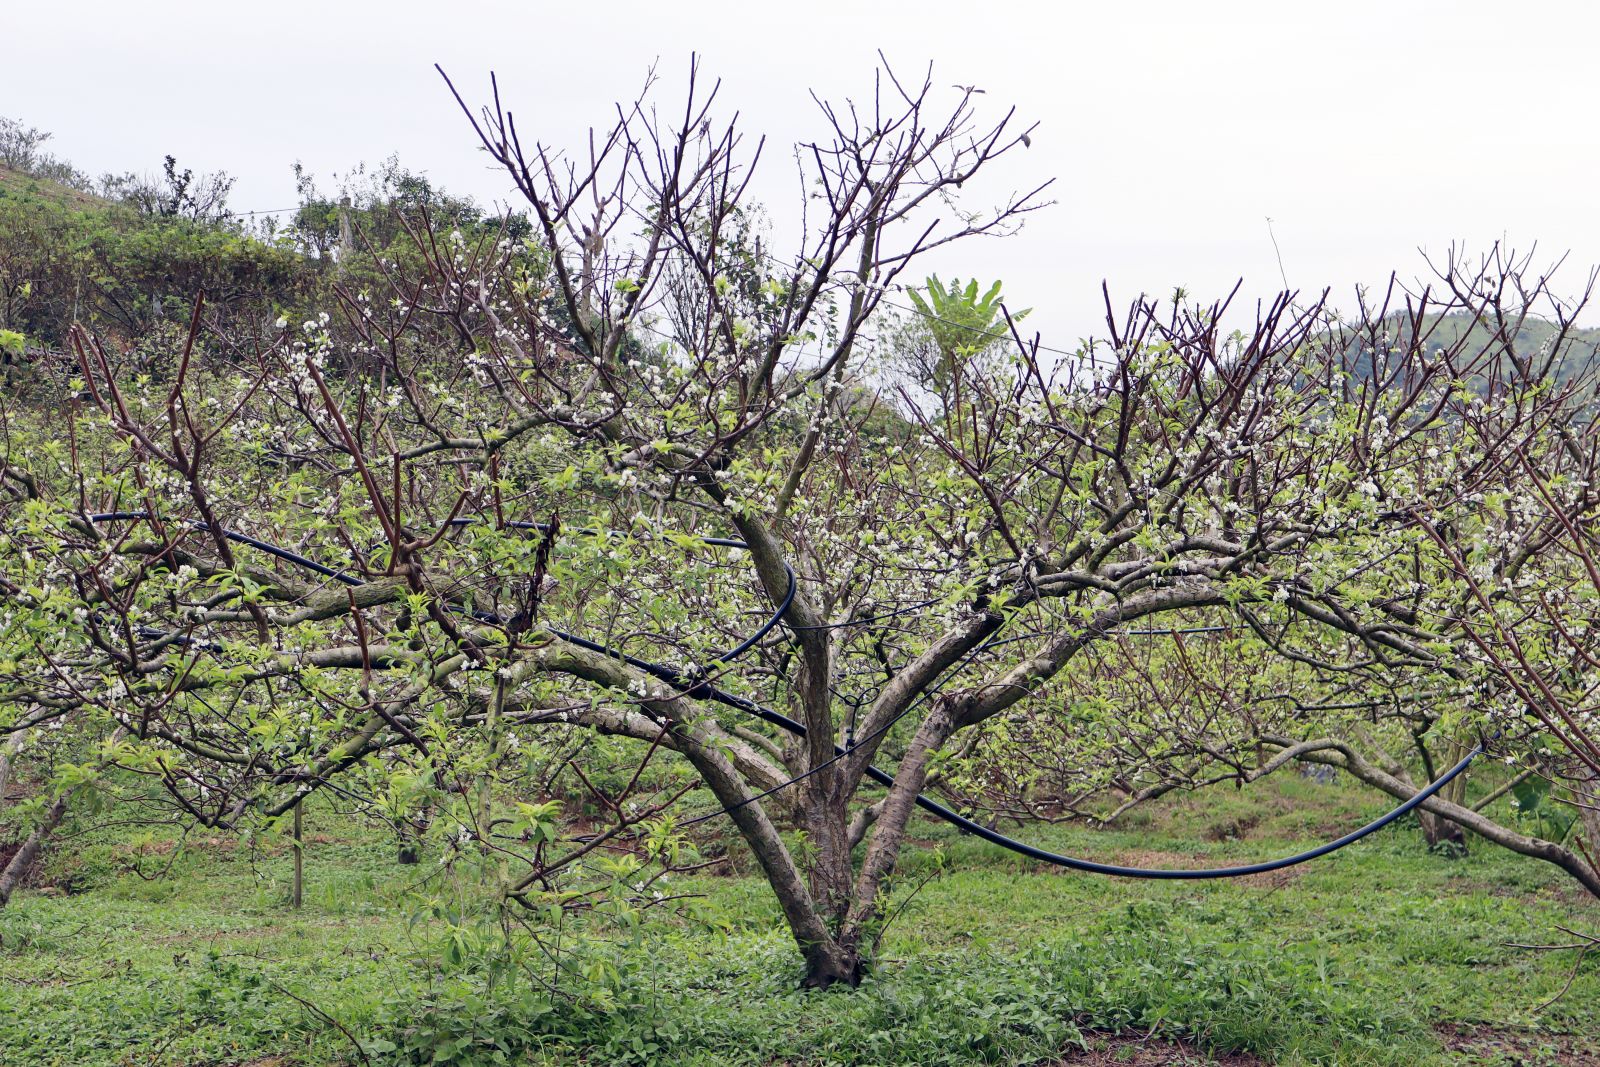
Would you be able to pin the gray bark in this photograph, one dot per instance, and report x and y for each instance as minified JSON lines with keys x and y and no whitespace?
{"x":1441,"y":833}
{"x":7,"y":755}
{"x":297,"y":891}
{"x":863,"y":820}
{"x":1338,"y":754}
{"x":708,"y":749}
{"x":1587,"y":796}
{"x":890,"y":833}
{"x":24,"y":857}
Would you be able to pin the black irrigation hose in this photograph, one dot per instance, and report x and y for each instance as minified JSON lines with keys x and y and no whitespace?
{"x":1092,"y":867}
{"x":699,"y":688}
{"x":960,"y":822}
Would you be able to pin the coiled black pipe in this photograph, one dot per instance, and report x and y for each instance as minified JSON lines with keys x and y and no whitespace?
{"x":700,"y":689}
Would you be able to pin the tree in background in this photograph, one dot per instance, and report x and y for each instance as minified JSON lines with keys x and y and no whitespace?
{"x":21,"y":150}
{"x":175,"y":195}
{"x":956,"y":325}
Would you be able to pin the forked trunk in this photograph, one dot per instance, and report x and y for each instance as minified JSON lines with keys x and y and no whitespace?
{"x":23,"y":859}
{"x":830,"y":965}
{"x":829,"y":872}
{"x":1340,"y":755}
{"x":1442,"y":835}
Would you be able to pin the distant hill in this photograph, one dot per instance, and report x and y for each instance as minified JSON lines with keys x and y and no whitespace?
{"x":1533,"y":339}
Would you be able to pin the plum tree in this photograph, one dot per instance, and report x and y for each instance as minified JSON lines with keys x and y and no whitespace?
{"x":515,"y":465}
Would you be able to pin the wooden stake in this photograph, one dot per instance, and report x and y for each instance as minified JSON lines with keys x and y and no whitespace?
{"x":299,"y":860}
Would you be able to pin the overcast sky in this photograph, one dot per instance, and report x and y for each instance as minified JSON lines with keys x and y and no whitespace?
{"x":1174,"y":130}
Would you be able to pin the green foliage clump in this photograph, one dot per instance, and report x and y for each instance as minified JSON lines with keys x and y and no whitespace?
{"x":118,"y":271}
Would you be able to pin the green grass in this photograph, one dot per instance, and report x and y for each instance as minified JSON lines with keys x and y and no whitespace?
{"x":1372,"y":956}
{"x":19,"y":183}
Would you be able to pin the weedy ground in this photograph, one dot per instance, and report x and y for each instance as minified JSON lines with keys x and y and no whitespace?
{"x":1381,"y":954}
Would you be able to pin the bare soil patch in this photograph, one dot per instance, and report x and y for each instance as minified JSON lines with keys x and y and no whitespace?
{"x":1155,"y":859}
{"x":1131,"y":1050}
{"x":1233,"y":829}
{"x":1523,"y":1048}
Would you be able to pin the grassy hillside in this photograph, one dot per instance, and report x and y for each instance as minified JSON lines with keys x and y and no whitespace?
{"x":16,"y":183}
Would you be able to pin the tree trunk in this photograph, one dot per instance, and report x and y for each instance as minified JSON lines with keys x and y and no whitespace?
{"x":889,"y":834}
{"x":14,"y":871}
{"x":1341,"y":755}
{"x":826,"y":963}
{"x":862,"y":821}
{"x":1442,"y":835}
{"x":7,"y":755}
{"x":22,"y":861}
{"x":835,"y":965}
{"x":828,"y":832}
{"x":710,"y":751}
{"x":1587,"y":797}
{"x":410,"y":832}
{"x":825,"y":802}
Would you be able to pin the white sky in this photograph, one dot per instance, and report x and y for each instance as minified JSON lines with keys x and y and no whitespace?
{"x":1174,"y":129}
